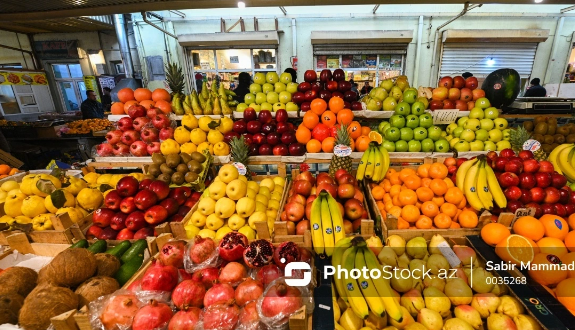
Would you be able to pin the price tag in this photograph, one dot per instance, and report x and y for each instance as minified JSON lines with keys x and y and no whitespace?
{"x":522,"y":212}
{"x":448,"y":253}
{"x":363,"y":106}
{"x":444,"y":116}
{"x":242,"y":170}
{"x":531,"y":145}
{"x":322,"y":306}
{"x":342,"y":151}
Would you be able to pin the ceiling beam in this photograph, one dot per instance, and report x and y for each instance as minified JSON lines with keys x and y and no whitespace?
{"x":283,"y":10}
{"x":564,"y":10}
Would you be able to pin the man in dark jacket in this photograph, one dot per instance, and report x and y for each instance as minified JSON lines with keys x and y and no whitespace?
{"x":91,"y":108}
{"x":244,"y":81}
{"x":535,"y":90}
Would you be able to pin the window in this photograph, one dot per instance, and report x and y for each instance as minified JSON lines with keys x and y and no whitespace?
{"x":11,"y":66}
{"x":117,"y":67}
{"x":70,"y":82}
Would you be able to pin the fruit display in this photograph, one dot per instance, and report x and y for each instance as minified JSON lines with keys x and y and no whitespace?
{"x":232,"y":203}
{"x":482,"y":130}
{"x":545,"y":130}
{"x":373,"y":164}
{"x":393,"y":94}
{"x":159,"y":100}
{"x":199,"y":134}
{"x":210,"y":101}
{"x":86,"y":126}
{"x":182,"y":169}
{"x":407,"y":132}
{"x":329,"y":86}
{"x":425,"y":198}
{"x":479,"y":184}
{"x":134,"y":209}
{"x":457,"y":93}
{"x":502,"y":87}
{"x":6,"y":171}
{"x":272,"y":92}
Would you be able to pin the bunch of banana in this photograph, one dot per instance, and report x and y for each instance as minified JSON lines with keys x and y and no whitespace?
{"x":563,"y":160}
{"x":363,"y":295}
{"x":479,"y":185}
{"x":214,"y":101}
{"x":326,"y":224}
{"x":374,"y":163}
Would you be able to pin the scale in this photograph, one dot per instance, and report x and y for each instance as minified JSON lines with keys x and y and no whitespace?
{"x":541,"y":105}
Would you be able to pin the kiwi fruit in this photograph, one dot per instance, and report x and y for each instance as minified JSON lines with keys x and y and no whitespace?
{"x":563,"y":130}
{"x":572,"y":128}
{"x":185,"y":158}
{"x":191,"y":177}
{"x":548,"y":139}
{"x":552,"y":121}
{"x":537,"y":137}
{"x":182,"y":168}
{"x":173,"y":160}
{"x":158,"y":158}
{"x":166,"y":170}
{"x":195,"y":166}
{"x":178,"y":178}
{"x":546,"y":147}
{"x":198,"y":157}
{"x":570,"y":138}
{"x":540,"y":119}
{"x":154,"y":169}
{"x":551,"y":129}
{"x":554,"y":145}
{"x":541,"y":128}
{"x":165,"y":177}
{"x":528,"y":125}
{"x":558,"y":138}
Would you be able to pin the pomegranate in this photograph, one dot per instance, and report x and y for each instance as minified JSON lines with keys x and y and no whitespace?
{"x":232,"y":246}
{"x":135,"y":286}
{"x":185,"y":319}
{"x":248,"y":290}
{"x":152,"y":316}
{"x":259,"y":253}
{"x":172,"y":254}
{"x":305,"y":255}
{"x":160,"y":278}
{"x":184,"y":275}
{"x":281,"y":299}
{"x":223,"y":316}
{"x":268,"y":273}
{"x":249,"y":317}
{"x":232,"y":273}
{"x":202,"y":249}
{"x":188,"y":293}
{"x":219,"y":293}
{"x":120,"y":311}
{"x":207,"y":276}
{"x":285,"y":253}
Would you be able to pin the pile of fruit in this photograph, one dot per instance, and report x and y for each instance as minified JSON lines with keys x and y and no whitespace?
{"x":457,"y":93}
{"x":159,"y":99}
{"x":464,"y":301}
{"x":6,"y":171}
{"x":413,"y":132}
{"x":214,"y":101}
{"x":232,"y":203}
{"x":86,"y":126}
{"x":271,"y":92}
{"x":202,"y":134}
{"x":133,"y":209}
{"x":330,"y":85}
{"x":178,"y":169}
{"x":546,"y":131}
{"x":423,"y":199}
{"x":562,"y":158}
{"x":394,"y":94}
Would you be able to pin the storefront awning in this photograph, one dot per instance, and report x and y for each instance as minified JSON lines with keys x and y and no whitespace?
{"x":229,"y":39}
{"x":355,"y":37}
{"x":509,"y":35}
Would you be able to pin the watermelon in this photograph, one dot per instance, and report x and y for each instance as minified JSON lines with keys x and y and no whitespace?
{"x":502,"y":87}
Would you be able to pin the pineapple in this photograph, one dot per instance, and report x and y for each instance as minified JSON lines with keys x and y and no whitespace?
{"x":175,"y":78}
{"x":518,"y":136}
{"x":240,"y":152}
{"x":341,"y":137}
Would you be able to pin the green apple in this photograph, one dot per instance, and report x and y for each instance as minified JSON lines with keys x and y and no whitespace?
{"x":256,"y":107}
{"x":278,"y":106}
{"x":410,"y":95}
{"x":476,"y":146}
{"x":476,"y":113}
{"x":389,"y":104}
{"x":486,"y":124}
{"x":284,"y":97}
{"x":285,"y":78}
{"x":425,"y":120}
{"x":489,"y":146}
{"x":255,"y":88}
{"x":461,"y":121}
{"x":290,"y":106}
{"x":414,"y":146}
{"x":482,"y":135}
{"x":397,"y":121}
{"x":402,"y":108}
{"x":272,"y":97}
{"x":503,"y":144}
{"x":389,"y":146}
{"x":261,"y":98}
{"x":250,"y":98}
{"x":453,"y":141}
{"x":467,"y":135}
{"x":412,"y":121}
{"x":441,"y":146}
{"x":272,"y":77}
{"x":420,"y":133}
{"x":291,"y":87}
{"x":427,"y":145}
{"x":495,"y":135}
{"x":434,"y":133}
{"x":279,"y":87}
{"x":482,"y":103}
{"x":418,"y":108}
{"x":472,"y":124}
{"x":457,"y":132}
{"x":449,"y":129}
{"x":392,"y":134}
{"x":267,"y":87}
{"x":506,"y":134}
{"x":500,"y":123}
{"x":462,"y":146}
{"x":241,"y":107}
{"x":381,"y":127}
{"x":406,"y":134}
{"x":260,"y":78}
{"x":491,"y":113}
{"x":401,"y":146}
{"x":267,"y":106}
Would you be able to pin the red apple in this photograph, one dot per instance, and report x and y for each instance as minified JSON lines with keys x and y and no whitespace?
{"x":458,"y":82}
{"x":460,"y":161}
{"x":558,"y":181}
{"x":308,"y":207}
{"x":339,"y":173}
{"x":307,"y":176}
{"x":127,"y":186}
{"x":549,"y":209}
{"x":513,"y":206}
{"x":144,"y":232}
{"x":525,"y":154}
{"x":538,"y":209}
{"x":461,"y":105}
{"x":338,"y":75}
{"x":471,"y":83}
{"x":560,"y":210}
{"x":530,"y":165}
{"x":324,"y":179}
{"x":448,"y":104}
{"x":310,"y":199}
{"x":184,"y":210}
{"x":302,"y":187}
{"x":171,"y":205}
{"x":346,"y":178}
{"x":297,"y":198}
{"x":295,"y":211}
{"x":280,"y":150}
{"x":477,"y":94}
{"x":440,"y":93}
{"x":310,"y":76}
{"x":329,"y":187}
{"x":145,"y":199}
{"x":250,"y":114}
{"x":155,"y":214}
{"x":297,"y":149}
{"x":145,"y":184}
{"x":470,"y":105}
{"x":160,"y":188}
{"x":113,"y":200}
{"x":527,"y":181}
{"x":466,"y":95}
{"x":569,"y":209}
{"x":565,"y":195}
{"x":507,"y":153}
{"x":265,"y":116}
{"x":127,"y":205}
{"x":118,"y":222}
{"x":125,"y":234}
{"x":552,"y":195}
{"x":345,"y":191}
{"x":302,"y":227}
{"x":514,"y":166}
{"x":353,"y":209}
{"x":454,"y":94}
{"x":508,"y":179}
{"x":537,"y":194}
{"x":265,"y":149}
{"x":546,"y":166}
{"x":513,"y":193}
{"x":239,"y":126}
{"x":102,"y":217}
{"x":436,"y":104}
{"x":94,"y":232}
{"x":348,"y":226}
{"x":543,"y":179}
{"x":180,"y":194}
{"x":446,"y":82}
{"x":135,"y":221}
{"x":525,"y":196}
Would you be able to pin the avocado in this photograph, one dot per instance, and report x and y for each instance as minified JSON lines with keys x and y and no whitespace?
{"x":182,"y":168}
{"x":154,"y":169}
{"x":178,"y":178}
{"x":185,"y":158}
{"x":198,"y":157}
{"x":158,"y":158}
{"x":164,"y":177}
{"x":173,"y":160}
{"x":195,"y":166}
{"x":166,"y":169}
{"x":191,"y":177}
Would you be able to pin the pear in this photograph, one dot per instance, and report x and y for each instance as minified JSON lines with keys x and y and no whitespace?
{"x":396,"y":93}
{"x":387,"y":257}
{"x":485,"y":303}
{"x":403,"y":261}
{"x":387,"y":84}
{"x":374,"y":244}
{"x":437,"y":263}
{"x":418,"y":285}
{"x":456,"y":324}
{"x":378,"y":93}
{"x":510,"y":306}
{"x":465,"y":254}
{"x":437,"y":301}
{"x":374,"y":104}
{"x":397,"y":243}
{"x":415,"y":326}
{"x":497,"y":321}
{"x":480,"y":282}
{"x":469,"y":315}
{"x":526,"y":322}
{"x":406,"y":319}
{"x":416,"y":247}
{"x":435,"y":242}
{"x":375,"y":322}
{"x":412,"y":301}
{"x":417,"y":267}
{"x":458,"y":291}
{"x":499,"y":290}
{"x":401,"y":283}
{"x":430,"y":319}
{"x":403,"y":84}
{"x":434,"y":281}
{"x":389,"y":103}
{"x":350,"y":321}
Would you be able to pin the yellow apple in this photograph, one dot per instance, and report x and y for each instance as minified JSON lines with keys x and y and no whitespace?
{"x":279,"y":189}
{"x":243,"y":178}
{"x":198,"y":219}
{"x":245,"y":207}
{"x":228,"y":173}
{"x":276,"y":196}
{"x":13,"y":192}
{"x":269,"y":183}
{"x":236,"y":222}
{"x":272,"y":213}
{"x":217,"y":190}
{"x":4,"y":194}
{"x":217,"y":178}
{"x":10,"y":185}
{"x":205,"y":233}
{"x":250,"y":193}
{"x":262,"y":199}
{"x":236,"y":189}
{"x":279,"y":181}
{"x":260,"y":207}
{"x":274,"y":204}
{"x":214,"y":222}
{"x":249,"y":232}
{"x":225,"y":207}
{"x":254,"y":186}
{"x":13,"y":204}
{"x":265,"y":191}
{"x":191,"y":231}
{"x":257,"y":217}
{"x":206,"y":206}
{"x":222,"y":232}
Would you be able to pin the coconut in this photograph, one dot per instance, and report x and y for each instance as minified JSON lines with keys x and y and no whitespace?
{"x":96,"y":287}
{"x":44,"y":303}
{"x":70,"y":268}
{"x":107,"y":264}
{"x":10,"y":305}
{"x":20,"y":280}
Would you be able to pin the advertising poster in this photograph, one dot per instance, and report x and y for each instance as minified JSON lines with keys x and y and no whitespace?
{"x":23,"y":78}
{"x":90,"y":83}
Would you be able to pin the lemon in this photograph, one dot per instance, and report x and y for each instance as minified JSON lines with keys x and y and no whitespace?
{"x":203,"y":123}
{"x":10,"y":185}
{"x":181,"y":135}
{"x":189,"y":122}
{"x":91,"y":177}
{"x":33,"y":206}
{"x":226,"y":125}
{"x":215,"y":136}
{"x":197,"y":136}
{"x":206,"y":146}
{"x":170,"y":147}
{"x":90,"y":199}
{"x":188,"y":147}
{"x":221,"y":149}
{"x":64,"y":197}
{"x":76,"y":185}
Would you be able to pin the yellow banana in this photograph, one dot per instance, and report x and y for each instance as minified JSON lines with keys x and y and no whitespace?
{"x":354,"y":297}
{"x":315,"y":222}
{"x":367,"y":287}
{"x":349,"y":321}
{"x":362,"y":166}
{"x":378,"y":166}
{"x":483,"y":189}
{"x":383,"y":288}
{"x":462,"y":172}
{"x":553,"y":156}
{"x":563,"y":161}
{"x":370,"y":164}
{"x":327,"y":225}
{"x":386,"y":161}
{"x":336,"y":219}
{"x":336,"y":260}
{"x":471,"y":187}
{"x":336,"y":310}
{"x":339,"y":327}
{"x":495,"y":188}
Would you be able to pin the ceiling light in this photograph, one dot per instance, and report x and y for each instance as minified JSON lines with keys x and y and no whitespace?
{"x":241,"y":4}
{"x":490,"y":62}
{"x":538,"y":1}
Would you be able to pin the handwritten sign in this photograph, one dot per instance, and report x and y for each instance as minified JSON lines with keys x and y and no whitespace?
{"x":444,"y":116}
{"x":523,"y":212}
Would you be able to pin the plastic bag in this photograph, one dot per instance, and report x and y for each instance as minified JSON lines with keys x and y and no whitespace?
{"x":115,"y":311}
{"x":249,"y":317}
{"x":223,"y":316}
{"x":212,"y":260}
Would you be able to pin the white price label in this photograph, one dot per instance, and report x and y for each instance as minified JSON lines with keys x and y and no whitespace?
{"x":242,"y":170}
{"x":449,"y":254}
{"x":322,"y":306}
{"x":341,"y":150}
{"x":444,"y":116}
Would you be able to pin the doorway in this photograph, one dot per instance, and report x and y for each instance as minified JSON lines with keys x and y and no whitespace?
{"x":70,"y":82}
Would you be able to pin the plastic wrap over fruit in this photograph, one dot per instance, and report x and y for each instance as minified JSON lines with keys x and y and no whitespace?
{"x":222,"y":316}
{"x":201,"y":253}
{"x":280,"y":301}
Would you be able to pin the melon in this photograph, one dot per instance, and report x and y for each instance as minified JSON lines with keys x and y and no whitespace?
{"x":502,"y":87}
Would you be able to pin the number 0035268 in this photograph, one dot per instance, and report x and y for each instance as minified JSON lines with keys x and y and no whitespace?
{"x":506,"y":280}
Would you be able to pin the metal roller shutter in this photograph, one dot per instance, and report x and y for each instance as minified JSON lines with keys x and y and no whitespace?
{"x":483,"y":58}
{"x":359,"y":49}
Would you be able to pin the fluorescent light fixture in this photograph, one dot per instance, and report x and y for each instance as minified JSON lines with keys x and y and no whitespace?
{"x":490,"y":62}
{"x":538,"y":1}
{"x":241,"y":4}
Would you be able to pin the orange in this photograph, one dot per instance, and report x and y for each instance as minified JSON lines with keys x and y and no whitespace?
{"x":318,"y":106}
{"x":344,"y":117}
{"x":449,"y":209}
{"x":327,"y":144}
{"x":389,"y":173}
{"x":423,"y":170}
{"x":354,"y":130}
{"x":437,"y":171}
{"x":161,"y":94}
{"x":448,"y":182}
{"x":565,"y":292}
{"x":386,"y":185}
{"x":402,"y":224}
{"x":552,"y":245}
{"x":404,"y":173}
{"x":118,"y":108}
{"x":410,"y":213}
{"x":453,"y":195}
{"x":148,"y":104}
{"x":529,"y":227}
{"x":569,"y":259}
{"x":362,"y":143}
{"x":386,"y":198}
{"x":380,"y":205}
{"x":328,"y":118}
{"x":165,"y":106}
{"x":429,"y":209}
{"x":407,"y":197}
{"x":454,"y":225}
{"x":377,"y":193}
{"x":13,"y":171}
{"x":456,"y":217}
{"x":425,"y":182}
{"x":128,"y":104}
{"x":412,"y":182}
{"x":395,"y":189}
{"x":394,"y":179}
{"x":395,"y":211}
{"x":516,"y":249}
{"x":302,"y":134}
{"x":494,"y":233}
{"x":571,"y":221}
{"x":423,"y":222}
{"x":375,"y":136}
{"x":352,"y":144}
{"x":395,"y":200}
{"x":313,"y":145}
{"x":442,"y":221}
{"x":336,"y":104}
{"x":4,"y":169}
{"x":141,"y":94}
{"x":462,"y":204}
{"x":438,"y":186}
{"x":555,"y":226}
{"x":365,"y":130}
{"x":467,"y":219}
{"x":125,"y":95}
{"x":546,"y":270}
{"x":403,"y":187}
{"x":424,"y":194}
{"x":438,"y":200}
{"x":570,"y":241}
{"x":310,"y":120}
